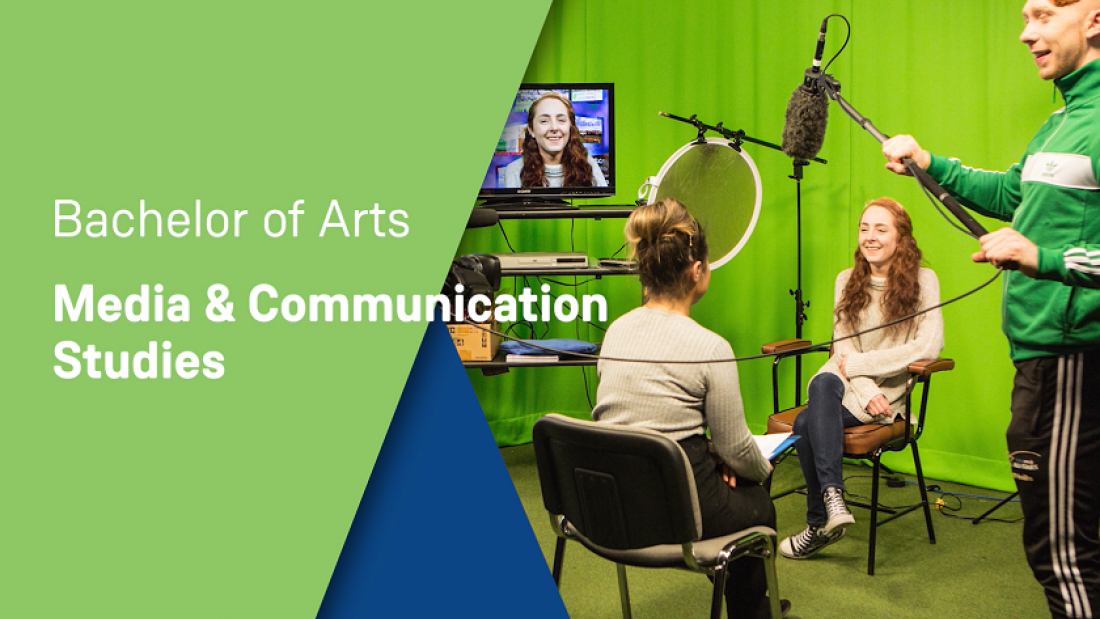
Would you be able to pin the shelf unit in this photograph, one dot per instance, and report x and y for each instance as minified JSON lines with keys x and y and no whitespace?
{"x":498,"y":364}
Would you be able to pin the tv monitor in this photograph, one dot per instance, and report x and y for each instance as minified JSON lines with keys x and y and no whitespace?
{"x":507,"y":185}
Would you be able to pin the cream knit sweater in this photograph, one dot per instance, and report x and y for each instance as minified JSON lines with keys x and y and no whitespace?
{"x":877,"y":363}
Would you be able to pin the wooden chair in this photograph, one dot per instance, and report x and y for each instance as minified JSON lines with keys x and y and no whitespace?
{"x":868,"y":441}
{"x":628,"y":495}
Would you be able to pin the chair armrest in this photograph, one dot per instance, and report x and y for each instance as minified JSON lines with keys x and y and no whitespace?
{"x":782,"y":350}
{"x":785,"y":346}
{"x":927,"y":367}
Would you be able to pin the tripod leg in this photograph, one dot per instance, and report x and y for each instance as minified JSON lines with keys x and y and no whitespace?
{"x":996,"y":507}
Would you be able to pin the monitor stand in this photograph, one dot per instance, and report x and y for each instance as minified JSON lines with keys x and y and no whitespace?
{"x":526,"y":204}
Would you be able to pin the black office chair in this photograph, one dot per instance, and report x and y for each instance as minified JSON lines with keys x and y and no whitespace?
{"x":628,"y":495}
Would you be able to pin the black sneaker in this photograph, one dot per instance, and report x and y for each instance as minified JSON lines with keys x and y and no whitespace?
{"x":808,"y":542}
{"x":836,"y":510}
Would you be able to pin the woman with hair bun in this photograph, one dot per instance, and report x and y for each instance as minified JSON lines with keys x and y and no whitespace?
{"x":683,"y":400}
{"x":553,"y":153}
{"x":866,"y":378}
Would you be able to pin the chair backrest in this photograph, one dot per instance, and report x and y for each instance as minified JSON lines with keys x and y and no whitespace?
{"x":622,"y":487}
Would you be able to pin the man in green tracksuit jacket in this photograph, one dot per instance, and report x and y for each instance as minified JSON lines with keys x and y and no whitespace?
{"x":1051,"y":309}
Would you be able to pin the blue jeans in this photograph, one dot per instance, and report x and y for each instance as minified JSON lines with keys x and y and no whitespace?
{"x":820,"y":450}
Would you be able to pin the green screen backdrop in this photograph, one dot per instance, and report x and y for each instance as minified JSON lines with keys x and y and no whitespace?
{"x":951,"y":73}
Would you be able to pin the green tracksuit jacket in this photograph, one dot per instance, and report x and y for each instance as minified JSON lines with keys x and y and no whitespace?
{"x":1052,"y":197}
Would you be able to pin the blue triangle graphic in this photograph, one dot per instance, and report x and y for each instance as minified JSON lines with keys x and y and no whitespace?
{"x":440,"y":530}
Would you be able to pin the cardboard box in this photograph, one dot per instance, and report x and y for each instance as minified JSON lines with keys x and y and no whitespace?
{"x":475,"y":344}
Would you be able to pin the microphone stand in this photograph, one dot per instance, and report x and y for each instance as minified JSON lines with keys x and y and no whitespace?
{"x":736,"y":137}
{"x":832,"y":88}
{"x":799,"y":304}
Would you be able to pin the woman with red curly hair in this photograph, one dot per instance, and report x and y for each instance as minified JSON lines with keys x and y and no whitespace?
{"x":866,"y":378}
{"x":553,"y":153}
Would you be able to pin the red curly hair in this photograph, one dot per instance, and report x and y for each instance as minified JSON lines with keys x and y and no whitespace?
{"x":574,"y":159}
{"x":902,"y":294}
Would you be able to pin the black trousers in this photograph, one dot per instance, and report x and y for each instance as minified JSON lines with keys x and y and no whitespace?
{"x":728,"y":510}
{"x":1054,"y":448}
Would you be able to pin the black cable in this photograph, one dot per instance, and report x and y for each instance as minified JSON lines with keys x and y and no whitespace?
{"x":584,"y":373}
{"x":519,"y":324}
{"x":751,"y":357}
{"x":526,"y":323}
{"x":577,"y":324}
{"x":939,"y":504}
{"x":538,"y":310}
{"x":846,"y":37}
{"x":936,"y":204}
{"x":542,"y":279}
{"x":538,"y":307}
{"x":500,"y":224}
{"x":568,"y":285}
{"x":952,"y":512}
{"x":941,"y":211}
{"x":867,"y":498}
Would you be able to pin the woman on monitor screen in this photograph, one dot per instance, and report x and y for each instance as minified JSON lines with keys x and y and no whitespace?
{"x":866,"y":378}
{"x":683,"y":400}
{"x":553,"y":154}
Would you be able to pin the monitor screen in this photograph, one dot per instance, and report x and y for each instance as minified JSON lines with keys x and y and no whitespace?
{"x":557,"y":142}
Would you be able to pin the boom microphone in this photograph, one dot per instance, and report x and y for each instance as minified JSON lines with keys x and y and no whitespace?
{"x":815,"y":68}
{"x":807,"y":116}
{"x":807,"y":111}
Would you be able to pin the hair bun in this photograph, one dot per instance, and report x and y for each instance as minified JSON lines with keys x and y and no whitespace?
{"x":666,"y":240}
{"x":653,"y":222}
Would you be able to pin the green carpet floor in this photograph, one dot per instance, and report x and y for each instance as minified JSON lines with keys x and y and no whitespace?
{"x":973,"y":571}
